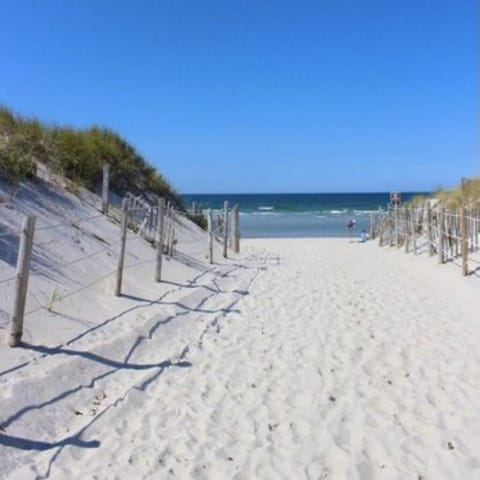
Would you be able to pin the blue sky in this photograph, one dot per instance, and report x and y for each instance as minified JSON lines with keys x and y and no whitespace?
{"x":259,"y":96}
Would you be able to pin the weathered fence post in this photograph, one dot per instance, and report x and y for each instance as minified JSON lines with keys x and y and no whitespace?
{"x":194,"y":208}
{"x":464,"y":229}
{"x":441,"y":236}
{"x":160,"y":215}
{"x":371,"y":232}
{"x":237,"y":236}
{"x":210,"y":235}
{"x":123,"y":243}
{"x":407,"y":228}
{"x":476,"y":224}
{"x":168,"y":228}
{"x":397,"y":236}
{"x":235,"y":230}
{"x":390,"y":227}
{"x":382,"y":231}
{"x":413,"y":216}
{"x":225,"y":228}
{"x":21,"y":283}
{"x":171,"y":247}
{"x":429,"y":229}
{"x":476,"y":212}
{"x":105,"y":187}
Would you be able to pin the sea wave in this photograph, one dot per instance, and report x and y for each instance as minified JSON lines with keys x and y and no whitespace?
{"x":364,"y":212}
{"x":266,"y":207}
{"x":320,"y":213}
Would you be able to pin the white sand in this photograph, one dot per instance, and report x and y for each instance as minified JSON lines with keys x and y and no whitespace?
{"x":315,"y":358}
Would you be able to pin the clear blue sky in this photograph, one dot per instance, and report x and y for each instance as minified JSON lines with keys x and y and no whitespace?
{"x":259,"y":96}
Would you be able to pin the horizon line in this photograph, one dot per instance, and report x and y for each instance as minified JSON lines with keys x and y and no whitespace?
{"x":311,"y":193}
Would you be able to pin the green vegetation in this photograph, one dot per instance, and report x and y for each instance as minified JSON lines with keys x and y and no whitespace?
{"x":77,"y":154}
{"x":466,"y":194}
{"x":417,"y":200}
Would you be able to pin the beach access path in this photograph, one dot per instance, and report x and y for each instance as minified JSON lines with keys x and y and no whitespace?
{"x":317,"y":358}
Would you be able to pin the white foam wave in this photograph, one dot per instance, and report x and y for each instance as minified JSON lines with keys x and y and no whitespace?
{"x":266,"y":207}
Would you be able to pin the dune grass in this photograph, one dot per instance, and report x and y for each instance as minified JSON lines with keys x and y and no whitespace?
{"x":77,"y":154}
{"x":465,"y":194}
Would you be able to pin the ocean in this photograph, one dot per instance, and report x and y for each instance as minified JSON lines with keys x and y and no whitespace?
{"x":298,"y":214}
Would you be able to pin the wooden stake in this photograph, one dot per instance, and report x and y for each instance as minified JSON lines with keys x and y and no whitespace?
{"x":407,"y":228}
{"x":390,"y":227}
{"x":429,"y":230}
{"x":476,"y":218}
{"x":172,"y":235}
{"x":169,"y":229}
{"x":105,"y":187}
{"x":397,"y":236}
{"x":237,"y":233}
{"x":441,"y":235}
{"x":210,"y":235}
{"x":160,"y":216}
{"x":123,"y":244}
{"x":235,"y":242}
{"x":464,"y":229}
{"x":414,"y":230}
{"x":21,"y":284}
{"x":225,"y":228}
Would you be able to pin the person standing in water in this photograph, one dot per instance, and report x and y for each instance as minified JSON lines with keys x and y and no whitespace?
{"x":351,"y":225}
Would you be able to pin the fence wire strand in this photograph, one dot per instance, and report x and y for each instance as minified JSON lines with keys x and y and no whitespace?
{"x":68,"y":223}
{"x":15,"y":233}
{"x":9,"y":279}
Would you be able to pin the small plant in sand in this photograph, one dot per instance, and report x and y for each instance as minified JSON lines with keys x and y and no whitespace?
{"x":55,"y":298}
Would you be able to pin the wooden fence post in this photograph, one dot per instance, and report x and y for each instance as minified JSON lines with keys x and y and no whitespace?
{"x":413,"y":216}
{"x":429,"y":229}
{"x":123,"y":243}
{"x":475,"y":227}
{"x":382,"y":226}
{"x":390,"y":227}
{"x":237,"y":233}
{"x":441,"y":236}
{"x":472,"y":226}
{"x":395,"y":213}
{"x":21,"y":283}
{"x":210,"y":235}
{"x":476,"y":219}
{"x":168,"y":225}
{"x":406,"y":223}
{"x":172,"y":235}
{"x":235,"y":230}
{"x":160,"y":215}
{"x":225,"y":228}
{"x":464,"y":229}
{"x":105,"y":187}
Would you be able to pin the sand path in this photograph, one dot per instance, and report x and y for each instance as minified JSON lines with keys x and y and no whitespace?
{"x":342,"y":361}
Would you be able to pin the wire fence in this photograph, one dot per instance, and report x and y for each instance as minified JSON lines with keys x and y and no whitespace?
{"x":35,"y":251}
{"x":451,"y":235}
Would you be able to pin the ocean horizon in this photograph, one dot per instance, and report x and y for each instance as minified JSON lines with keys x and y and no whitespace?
{"x":297,"y":215}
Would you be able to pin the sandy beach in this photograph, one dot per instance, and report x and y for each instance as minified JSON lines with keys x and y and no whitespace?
{"x":239,"y":240}
{"x":318,"y":358}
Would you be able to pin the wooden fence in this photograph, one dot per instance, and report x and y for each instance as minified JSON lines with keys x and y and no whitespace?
{"x":450,"y":235}
{"x":156,"y":222}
